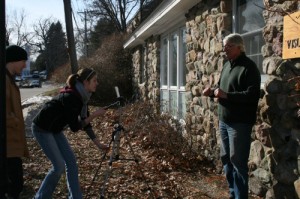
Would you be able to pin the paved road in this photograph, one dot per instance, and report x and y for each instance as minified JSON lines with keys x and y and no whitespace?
{"x":30,"y":92}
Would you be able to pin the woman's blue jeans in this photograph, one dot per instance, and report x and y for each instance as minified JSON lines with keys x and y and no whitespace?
{"x":235,"y":149}
{"x":59,"y":152}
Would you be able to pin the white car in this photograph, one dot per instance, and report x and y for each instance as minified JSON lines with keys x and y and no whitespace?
{"x":35,"y":83}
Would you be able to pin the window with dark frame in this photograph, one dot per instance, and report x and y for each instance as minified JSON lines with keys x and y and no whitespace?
{"x":249,"y":22}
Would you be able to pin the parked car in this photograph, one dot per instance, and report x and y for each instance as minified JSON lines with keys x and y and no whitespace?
{"x":25,"y":81}
{"x":35,"y":83}
{"x":35,"y":76}
{"x":44,"y":75}
{"x":18,"y":80}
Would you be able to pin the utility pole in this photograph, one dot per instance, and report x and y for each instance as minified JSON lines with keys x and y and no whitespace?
{"x":70,"y":36}
{"x":3,"y":166}
{"x":85,"y":33}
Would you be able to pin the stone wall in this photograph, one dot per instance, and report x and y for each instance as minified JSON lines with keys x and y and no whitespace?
{"x":274,"y":158}
{"x":146,"y":71}
{"x":274,"y":154}
{"x":206,"y":27}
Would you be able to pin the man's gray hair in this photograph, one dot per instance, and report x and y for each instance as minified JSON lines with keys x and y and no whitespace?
{"x":235,"y":39}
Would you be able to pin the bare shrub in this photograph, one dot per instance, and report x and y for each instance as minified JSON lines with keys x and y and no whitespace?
{"x":60,"y":74}
{"x":113,"y":66}
{"x":160,"y":134}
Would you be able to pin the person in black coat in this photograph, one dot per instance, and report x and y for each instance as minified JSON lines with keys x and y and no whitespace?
{"x":68,"y":109}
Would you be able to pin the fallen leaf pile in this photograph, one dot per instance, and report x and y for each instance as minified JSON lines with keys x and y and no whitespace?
{"x":155,"y":161}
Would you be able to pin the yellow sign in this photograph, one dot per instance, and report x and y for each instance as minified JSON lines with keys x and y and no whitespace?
{"x":291,"y":36}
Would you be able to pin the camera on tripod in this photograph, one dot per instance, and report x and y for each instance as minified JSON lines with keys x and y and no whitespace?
{"x":120,"y":100}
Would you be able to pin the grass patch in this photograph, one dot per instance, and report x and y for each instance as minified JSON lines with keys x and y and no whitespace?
{"x":52,"y":93}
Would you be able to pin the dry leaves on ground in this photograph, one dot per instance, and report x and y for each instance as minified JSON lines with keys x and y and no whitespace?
{"x":165,"y":166}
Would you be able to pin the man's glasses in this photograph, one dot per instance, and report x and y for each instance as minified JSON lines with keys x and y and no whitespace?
{"x":228,"y":46}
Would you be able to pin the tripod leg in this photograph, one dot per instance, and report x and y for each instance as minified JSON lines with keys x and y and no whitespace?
{"x":138,"y":164}
{"x":102,"y":159}
{"x":113,"y":157}
{"x":115,"y":149}
{"x":107,"y":174}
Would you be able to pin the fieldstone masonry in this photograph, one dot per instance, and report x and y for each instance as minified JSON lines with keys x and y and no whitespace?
{"x":146,"y":70}
{"x":275,"y":153}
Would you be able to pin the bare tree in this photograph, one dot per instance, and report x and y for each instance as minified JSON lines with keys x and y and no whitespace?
{"x":116,"y":11}
{"x":16,"y":27}
{"x":40,"y":28}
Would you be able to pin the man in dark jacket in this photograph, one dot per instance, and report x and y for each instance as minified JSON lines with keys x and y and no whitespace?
{"x":15,"y":129}
{"x":238,"y":93}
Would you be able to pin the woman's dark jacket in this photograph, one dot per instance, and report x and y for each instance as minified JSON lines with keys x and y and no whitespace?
{"x":61,"y":111}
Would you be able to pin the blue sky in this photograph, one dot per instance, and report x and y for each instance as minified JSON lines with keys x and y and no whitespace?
{"x":36,"y":9}
{"x":41,"y":9}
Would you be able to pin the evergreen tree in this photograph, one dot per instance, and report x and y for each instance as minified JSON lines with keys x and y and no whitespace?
{"x":102,"y":29}
{"x":41,"y":62}
{"x":56,"y":53}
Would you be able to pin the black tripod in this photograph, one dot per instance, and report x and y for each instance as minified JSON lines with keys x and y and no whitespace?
{"x":115,"y":155}
{"x":115,"y":152}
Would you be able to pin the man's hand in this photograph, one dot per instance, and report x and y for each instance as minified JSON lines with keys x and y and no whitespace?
{"x":219,"y":93}
{"x":207,"y":91}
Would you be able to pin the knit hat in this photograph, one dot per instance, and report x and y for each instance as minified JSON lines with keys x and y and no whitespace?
{"x":15,"y":53}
